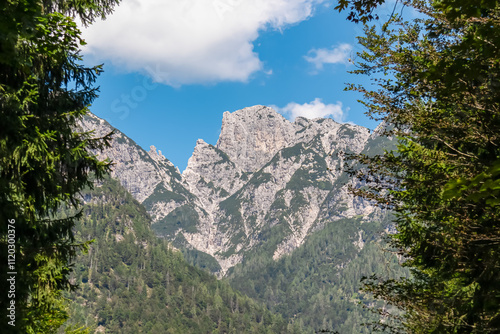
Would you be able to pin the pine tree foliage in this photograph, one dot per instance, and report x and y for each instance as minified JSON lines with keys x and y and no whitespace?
{"x":44,"y":161}
{"x":438,"y":79}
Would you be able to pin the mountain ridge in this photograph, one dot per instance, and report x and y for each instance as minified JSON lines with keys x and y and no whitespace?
{"x":263,"y":171}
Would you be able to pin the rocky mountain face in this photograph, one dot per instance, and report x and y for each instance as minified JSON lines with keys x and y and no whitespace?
{"x":268,"y":183}
{"x":140,"y":172}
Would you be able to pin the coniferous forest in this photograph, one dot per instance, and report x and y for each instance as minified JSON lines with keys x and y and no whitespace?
{"x":130,"y":281}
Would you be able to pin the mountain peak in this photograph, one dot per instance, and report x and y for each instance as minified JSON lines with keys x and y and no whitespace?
{"x":154,"y":155}
{"x":201,"y":142}
{"x":250,"y":111}
{"x":251,"y":136}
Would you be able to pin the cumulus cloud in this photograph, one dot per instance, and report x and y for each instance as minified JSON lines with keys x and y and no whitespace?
{"x":190,"y":41}
{"x":335,"y":55}
{"x":314,"y":109}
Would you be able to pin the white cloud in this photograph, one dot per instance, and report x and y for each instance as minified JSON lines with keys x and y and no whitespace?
{"x":190,"y":41}
{"x":314,"y":109}
{"x":335,"y":55}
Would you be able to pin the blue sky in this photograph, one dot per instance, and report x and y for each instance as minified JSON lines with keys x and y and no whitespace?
{"x":173,"y":67}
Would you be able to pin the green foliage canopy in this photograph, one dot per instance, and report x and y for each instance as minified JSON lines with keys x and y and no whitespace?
{"x":438,"y":79}
{"x":44,"y":160}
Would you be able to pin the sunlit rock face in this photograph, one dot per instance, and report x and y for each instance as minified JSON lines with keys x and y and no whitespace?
{"x":252,"y":136}
{"x":268,"y":182}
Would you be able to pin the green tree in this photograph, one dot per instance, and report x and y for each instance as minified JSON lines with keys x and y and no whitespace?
{"x":438,"y":92}
{"x":44,"y":160}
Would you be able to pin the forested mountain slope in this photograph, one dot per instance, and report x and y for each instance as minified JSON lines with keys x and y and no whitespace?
{"x":318,"y":285}
{"x":133,"y":282}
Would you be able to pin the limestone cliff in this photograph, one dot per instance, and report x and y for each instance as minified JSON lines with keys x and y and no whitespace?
{"x":267,"y":182}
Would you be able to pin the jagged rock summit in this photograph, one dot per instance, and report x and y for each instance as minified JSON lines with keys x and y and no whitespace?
{"x":251,"y":136}
{"x":267,"y":184}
